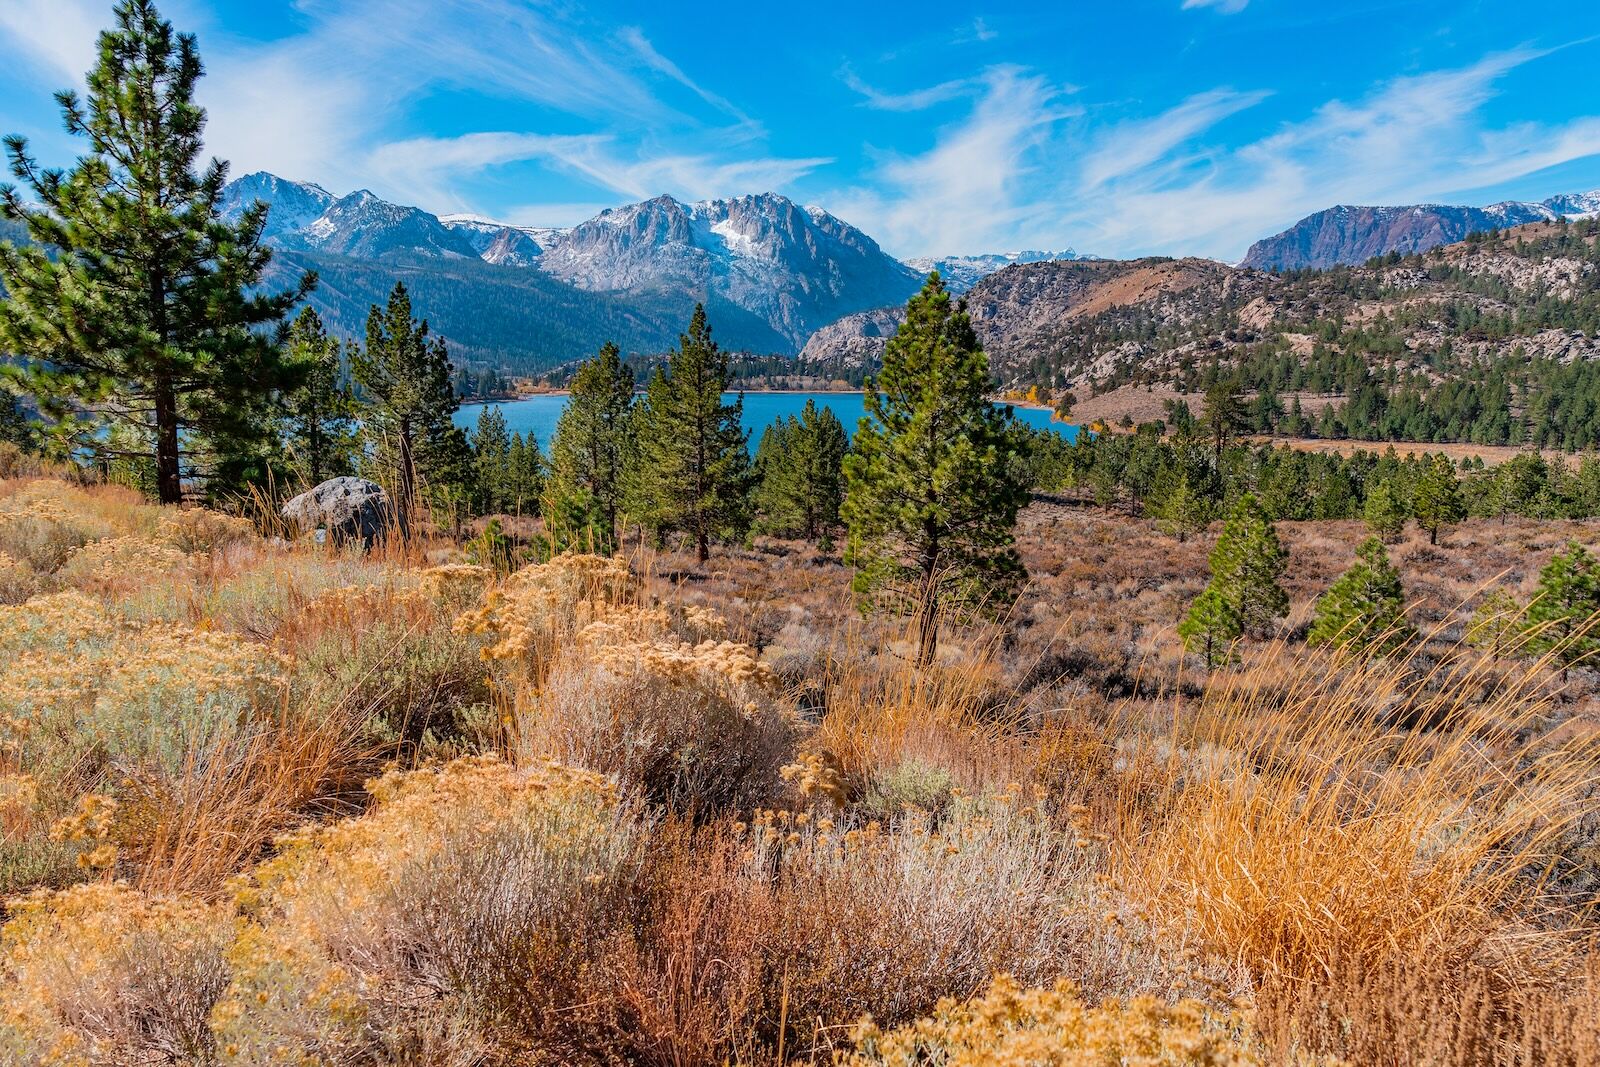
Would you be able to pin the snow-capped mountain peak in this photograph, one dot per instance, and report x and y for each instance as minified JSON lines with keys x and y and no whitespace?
{"x":795,"y":267}
{"x":1352,"y":234}
{"x":292,"y":205}
{"x":776,"y":270}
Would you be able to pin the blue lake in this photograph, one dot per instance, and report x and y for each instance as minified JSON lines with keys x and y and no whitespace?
{"x":538,"y":414}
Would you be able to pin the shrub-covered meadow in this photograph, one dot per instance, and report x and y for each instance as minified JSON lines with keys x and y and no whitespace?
{"x":273,"y":803}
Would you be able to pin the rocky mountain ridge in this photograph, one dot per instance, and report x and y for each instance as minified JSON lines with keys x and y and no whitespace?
{"x":1092,"y":325}
{"x":1347,"y":235}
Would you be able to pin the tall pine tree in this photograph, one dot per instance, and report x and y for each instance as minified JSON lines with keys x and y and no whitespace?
{"x":1385,"y":510}
{"x":1223,"y":415}
{"x":589,"y":448}
{"x":799,"y":474}
{"x":136,"y":304}
{"x":491,"y":461}
{"x":320,"y":427}
{"x":690,"y":470}
{"x":1182,"y":511}
{"x":932,"y":488}
{"x":404,"y":376}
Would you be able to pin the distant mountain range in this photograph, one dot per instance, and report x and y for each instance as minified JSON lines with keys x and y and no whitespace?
{"x":1347,"y":235}
{"x":961,"y":273}
{"x":772,"y":272}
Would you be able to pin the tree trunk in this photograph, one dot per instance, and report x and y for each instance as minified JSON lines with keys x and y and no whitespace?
{"x":169,"y":472}
{"x":927,"y":622}
{"x":406,"y":488}
{"x":702,"y":545}
{"x":1433,"y":536}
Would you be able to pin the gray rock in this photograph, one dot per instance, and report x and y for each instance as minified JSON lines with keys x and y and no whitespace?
{"x":349,"y":509}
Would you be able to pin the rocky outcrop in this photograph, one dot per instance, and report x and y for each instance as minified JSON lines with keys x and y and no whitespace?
{"x":347,"y":509}
{"x":854,"y":340}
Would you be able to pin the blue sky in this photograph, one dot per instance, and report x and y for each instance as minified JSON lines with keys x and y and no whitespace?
{"x":1164,"y":127}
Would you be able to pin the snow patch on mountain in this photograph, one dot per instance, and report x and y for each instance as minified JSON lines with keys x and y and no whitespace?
{"x":961,"y":273}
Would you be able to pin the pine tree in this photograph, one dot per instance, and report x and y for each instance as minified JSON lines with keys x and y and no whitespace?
{"x":15,"y":426}
{"x":1253,"y":559}
{"x":1211,"y":627}
{"x":320,"y":427}
{"x":1364,"y":609}
{"x":1560,"y":619}
{"x":691,"y":467}
{"x":1182,"y":511}
{"x":932,"y":481}
{"x":1384,"y":511}
{"x":1437,"y":499}
{"x":1243,"y":595}
{"x":822,"y":445}
{"x":588,"y":451}
{"x":1223,"y":415}
{"x":799,"y":473}
{"x":523,"y":490}
{"x":775,"y":480}
{"x":405,"y":381}
{"x":491,"y":461}
{"x":135,"y":303}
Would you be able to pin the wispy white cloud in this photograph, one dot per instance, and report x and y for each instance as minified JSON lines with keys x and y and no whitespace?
{"x":1134,"y":145}
{"x":1412,"y":139}
{"x":635,"y":39}
{"x":321,"y":104}
{"x":979,"y":30}
{"x":974,"y":182}
{"x":1222,"y":7}
{"x":915,"y":100}
{"x":58,"y":35}
{"x":431,"y":164}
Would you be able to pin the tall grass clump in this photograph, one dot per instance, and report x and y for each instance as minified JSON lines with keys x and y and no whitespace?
{"x":1376,"y":851}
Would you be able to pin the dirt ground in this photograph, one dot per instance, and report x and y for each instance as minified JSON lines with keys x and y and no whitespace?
{"x":1147,"y":403}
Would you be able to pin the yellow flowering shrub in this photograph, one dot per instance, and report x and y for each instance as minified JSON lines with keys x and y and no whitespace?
{"x":200,"y":530}
{"x":533,"y":609}
{"x":1009,"y":1026}
{"x":482,"y":884}
{"x":103,"y":973}
{"x":81,"y":679}
{"x":19,"y":798}
{"x":44,"y":522}
{"x":122,"y":564}
{"x":18,"y":581}
{"x":455,"y":581}
{"x":693,"y":726}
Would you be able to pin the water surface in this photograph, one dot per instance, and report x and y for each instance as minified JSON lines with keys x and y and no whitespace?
{"x":538,"y":414}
